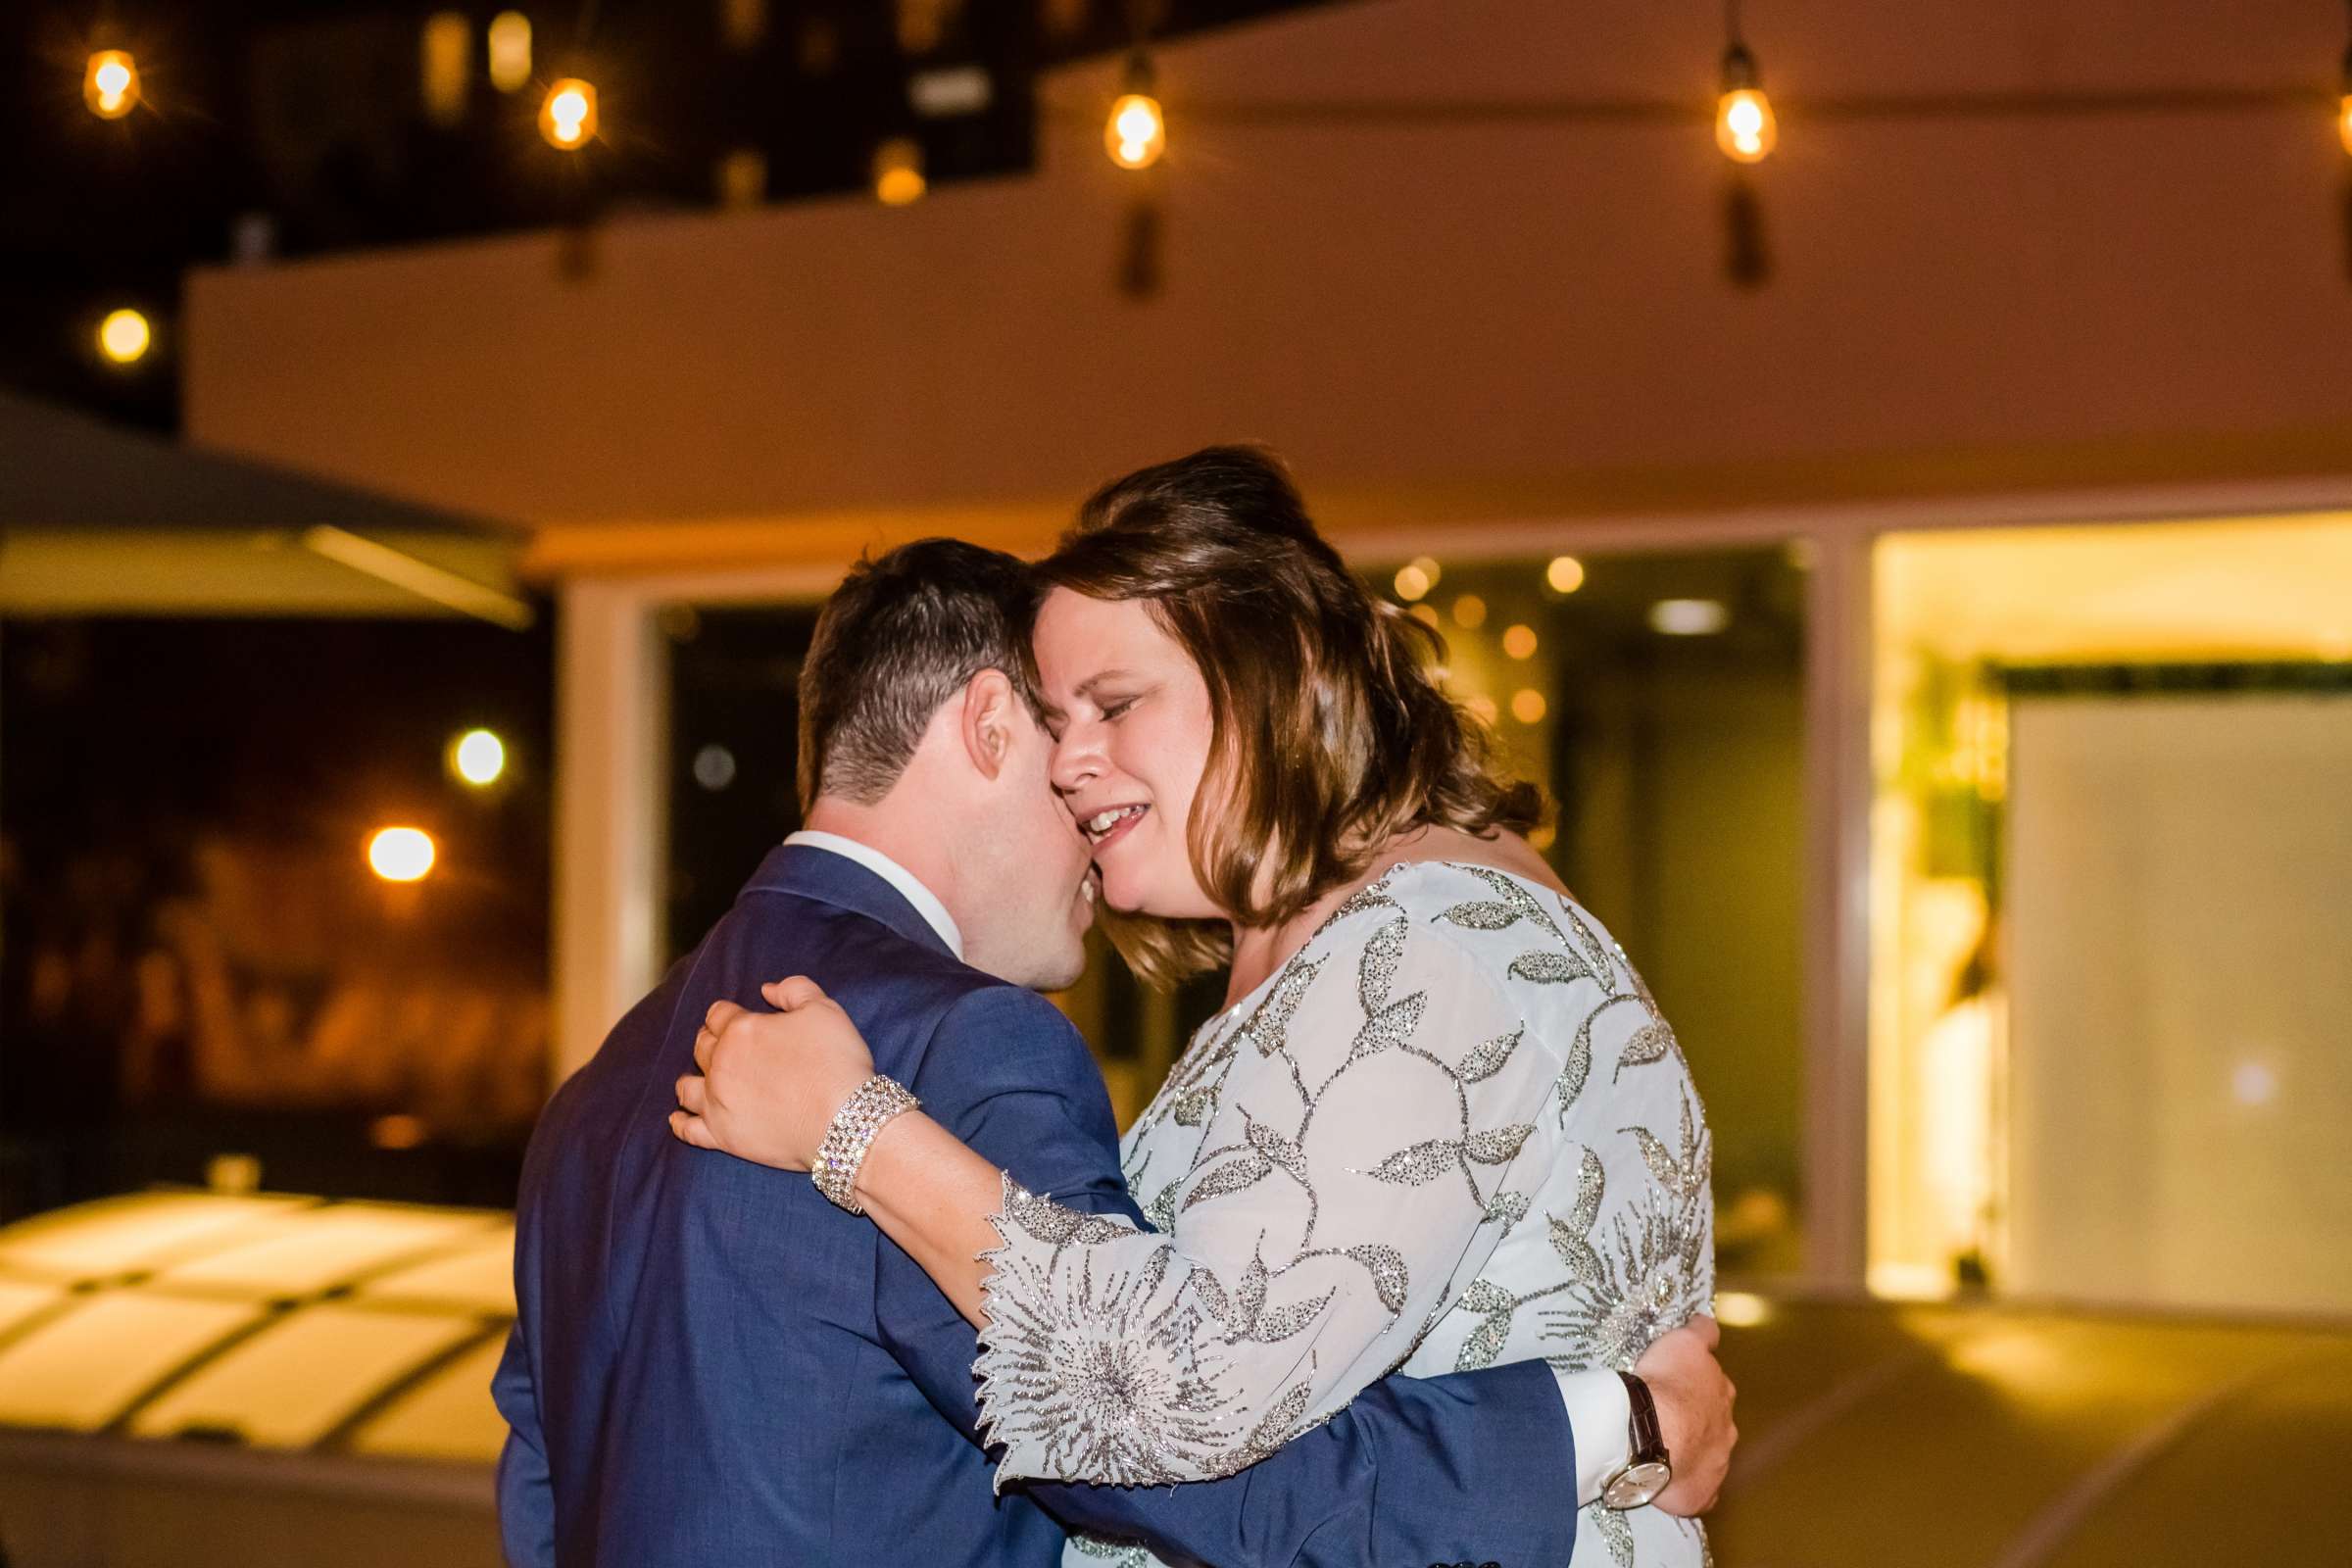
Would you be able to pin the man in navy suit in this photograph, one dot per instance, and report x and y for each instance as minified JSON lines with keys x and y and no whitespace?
{"x":712,"y":1365}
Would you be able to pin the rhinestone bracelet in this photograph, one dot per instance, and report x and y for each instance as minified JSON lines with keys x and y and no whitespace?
{"x":869,"y":1106}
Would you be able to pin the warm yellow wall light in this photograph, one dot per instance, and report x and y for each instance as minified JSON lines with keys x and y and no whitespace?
{"x":111,"y":86}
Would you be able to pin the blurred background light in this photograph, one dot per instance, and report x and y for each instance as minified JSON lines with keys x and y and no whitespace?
{"x":1411,"y":582}
{"x":124,"y":336}
{"x":401,"y":853}
{"x":1688,"y":617}
{"x":1527,"y":705}
{"x":899,"y":172}
{"x":1519,"y":641}
{"x":1137,"y":132}
{"x":111,"y":84}
{"x":510,"y":49}
{"x":445,"y":66}
{"x":1470,"y":612}
{"x":568,"y":119}
{"x":1565,"y":574}
{"x":1744,"y":127}
{"x":478,"y":757}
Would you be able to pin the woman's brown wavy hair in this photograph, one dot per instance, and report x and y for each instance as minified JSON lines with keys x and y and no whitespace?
{"x":1330,"y":732}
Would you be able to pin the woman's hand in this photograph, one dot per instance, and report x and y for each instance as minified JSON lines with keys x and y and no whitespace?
{"x":770,"y":1082}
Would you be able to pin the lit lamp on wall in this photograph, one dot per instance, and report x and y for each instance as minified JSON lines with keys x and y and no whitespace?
{"x":1137,"y":132}
{"x":2343,"y":103}
{"x":568,"y":117}
{"x":111,"y":86}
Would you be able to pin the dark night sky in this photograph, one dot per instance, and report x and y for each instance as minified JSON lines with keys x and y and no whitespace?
{"x":306,"y":116}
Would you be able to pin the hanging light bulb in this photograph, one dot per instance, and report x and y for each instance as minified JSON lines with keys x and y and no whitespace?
{"x":2343,"y":104}
{"x":1744,"y":127}
{"x":567,"y":115}
{"x":1137,"y":132}
{"x":899,"y":172}
{"x":111,"y":86}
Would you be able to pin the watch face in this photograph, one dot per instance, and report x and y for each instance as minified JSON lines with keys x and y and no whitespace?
{"x":1637,"y":1485}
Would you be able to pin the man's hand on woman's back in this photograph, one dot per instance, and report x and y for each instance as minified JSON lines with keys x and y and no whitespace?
{"x":1695,"y":1413}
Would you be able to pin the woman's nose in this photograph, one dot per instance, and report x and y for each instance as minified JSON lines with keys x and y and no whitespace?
{"x":1077,"y":759}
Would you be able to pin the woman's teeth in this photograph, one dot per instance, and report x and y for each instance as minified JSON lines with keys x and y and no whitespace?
{"x":1100,"y":823}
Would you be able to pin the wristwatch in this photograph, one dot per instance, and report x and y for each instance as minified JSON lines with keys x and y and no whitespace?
{"x":1648,"y":1472}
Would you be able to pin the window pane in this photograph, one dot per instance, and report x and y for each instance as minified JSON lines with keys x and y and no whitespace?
{"x":1658,"y":699}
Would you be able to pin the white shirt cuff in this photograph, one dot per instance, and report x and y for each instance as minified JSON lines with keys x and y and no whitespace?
{"x":1600,"y":1417}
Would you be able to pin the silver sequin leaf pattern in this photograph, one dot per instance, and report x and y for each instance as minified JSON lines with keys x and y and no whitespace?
{"x":1120,"y":1555}
{"x":1584,"y":1262}
{"x":1389,"y":1277}
{"x":1280,"y":1150}
{"x":1378,"y":970}
{"x":1608,"y":1524}
{"x":1212,"y":1291}
{"x":1243,"y":1170}
{"x":1420,"y":1164}
{"x":1571,"y":1237}
{"x":1269,"y":1027}
{"x":1193,"y":1109}
{"x":1497,"y":1146}
{"x":1479,"y":915}
{"x":1652,"y":1042}
{"x":1485,"y":1341}
{"x":1272,"y":1327}
{"x":1507,"y":1209}
{"x":1485,"y":1060}
{"x":1054,"y":1225}
{"x":1578,"y":1067}
{"x":1275,"y":1429}
{"x":1658,"y":1157}
{"x":1546,"y":966}
{"x":1162,"y":1213}
{"x":1393,"y":1025}
{"x":1484,"y":1296}
{"x":1249,"y":1298}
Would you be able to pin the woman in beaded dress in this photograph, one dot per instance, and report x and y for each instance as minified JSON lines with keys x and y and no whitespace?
{"x":1440,"y":1123}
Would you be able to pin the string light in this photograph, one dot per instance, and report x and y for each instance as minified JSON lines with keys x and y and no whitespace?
{"x":1137,"y":132}
{"x":111,"y":86}
{"x":899,"y":172}
{"x":124,"y":336}
{"x":1744,"y":127}
{"x":568,"y":117}
{"x":2343,"y":107}
{"x":477,"y":756}
{"x":1564,"y":575}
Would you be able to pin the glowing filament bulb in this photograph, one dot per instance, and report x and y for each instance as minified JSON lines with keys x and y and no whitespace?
{"x":1744,"y":127}
{"x":1138,"y":132}
{"x":567,"y":120}
{"x":111,"y":87}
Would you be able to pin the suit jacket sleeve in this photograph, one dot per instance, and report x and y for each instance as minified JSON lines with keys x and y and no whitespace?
{"x":526,"y":1499}
{"x":1477,"y":1465}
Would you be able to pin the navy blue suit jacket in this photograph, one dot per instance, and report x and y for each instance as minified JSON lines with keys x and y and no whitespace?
{"x":713,"y":1366}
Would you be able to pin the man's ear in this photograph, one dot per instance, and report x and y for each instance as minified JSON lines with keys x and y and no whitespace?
{"x":986,"y":725}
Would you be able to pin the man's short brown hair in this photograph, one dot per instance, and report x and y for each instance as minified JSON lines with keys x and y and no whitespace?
{"x":900,"y":635}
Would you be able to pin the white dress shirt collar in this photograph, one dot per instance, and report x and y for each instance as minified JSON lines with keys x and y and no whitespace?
{"x":926,"y":903}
